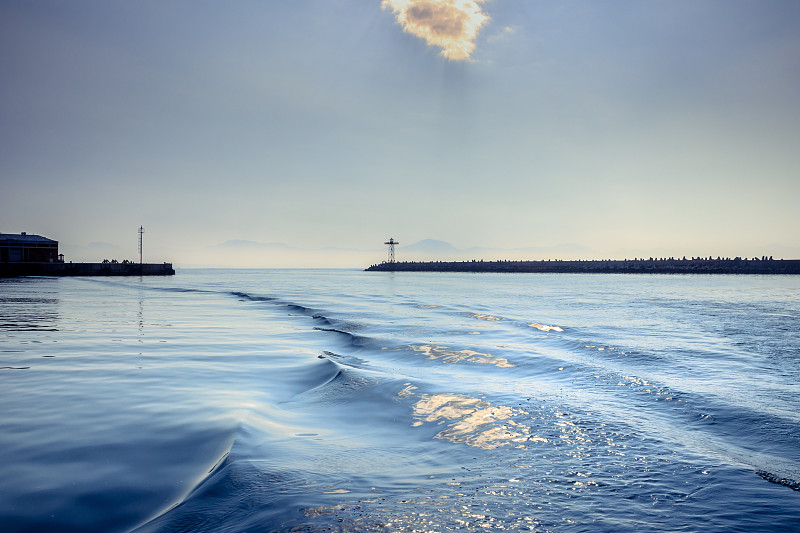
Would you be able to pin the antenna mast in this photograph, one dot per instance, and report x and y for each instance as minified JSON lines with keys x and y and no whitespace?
{"x":141,"y":230}
{"x":391,"y":242}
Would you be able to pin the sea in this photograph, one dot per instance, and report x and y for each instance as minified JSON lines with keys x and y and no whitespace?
{"x":338,"y":400}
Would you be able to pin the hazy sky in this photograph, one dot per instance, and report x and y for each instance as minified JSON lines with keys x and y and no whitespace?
{"x":659,"y":127}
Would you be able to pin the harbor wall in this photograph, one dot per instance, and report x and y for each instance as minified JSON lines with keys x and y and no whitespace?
{"x":85,"y":269}
{"x":632,"y":266}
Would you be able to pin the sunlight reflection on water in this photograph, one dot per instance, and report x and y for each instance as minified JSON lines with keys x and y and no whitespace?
{"x":469,"y":420}
{"x":448,"y":355}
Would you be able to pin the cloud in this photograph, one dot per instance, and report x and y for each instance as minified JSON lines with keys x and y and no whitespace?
{"x":502,"y":34}
{"x":451,"y":25}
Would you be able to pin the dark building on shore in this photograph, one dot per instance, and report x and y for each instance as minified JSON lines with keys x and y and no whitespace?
{"x":24,"y":248}
{"x":33,"y":255}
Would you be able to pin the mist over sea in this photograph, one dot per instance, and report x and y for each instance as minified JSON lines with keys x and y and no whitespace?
{"x":341,"y":400}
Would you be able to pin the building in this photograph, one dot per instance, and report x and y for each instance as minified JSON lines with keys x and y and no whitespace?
{"x":24,"y":248}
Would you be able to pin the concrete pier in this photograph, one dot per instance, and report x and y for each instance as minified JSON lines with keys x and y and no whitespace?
{"x":9,"y":270}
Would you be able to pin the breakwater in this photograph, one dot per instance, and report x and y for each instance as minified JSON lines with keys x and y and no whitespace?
{"x":608,"y":266}
{"x":9,"y":270}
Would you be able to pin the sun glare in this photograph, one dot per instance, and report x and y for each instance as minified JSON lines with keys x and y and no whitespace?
{"x":452,"y":25}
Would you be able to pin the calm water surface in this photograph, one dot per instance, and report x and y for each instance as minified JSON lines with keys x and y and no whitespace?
{"x":336,"y":400}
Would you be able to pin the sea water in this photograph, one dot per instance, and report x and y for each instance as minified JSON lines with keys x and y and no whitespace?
{"x":341,"y":400}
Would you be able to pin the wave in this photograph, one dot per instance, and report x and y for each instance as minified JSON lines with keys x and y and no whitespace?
{"x":543,"y":327}
{"x":257,"y":479}
{"x":587,"y":360}
{"x":236,"y":495}
{"x":251,"y":297}
{"x":772,"y":478}
{"x":276,"y":471}
{"x":625,"y":382}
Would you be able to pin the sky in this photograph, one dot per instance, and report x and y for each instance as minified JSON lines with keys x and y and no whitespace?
{"x":307,"y":133}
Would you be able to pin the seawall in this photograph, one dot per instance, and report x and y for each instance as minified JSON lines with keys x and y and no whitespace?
{"x":8,"y":270}
{"x":632,"y":266}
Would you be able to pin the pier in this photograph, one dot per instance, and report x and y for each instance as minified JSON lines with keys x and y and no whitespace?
{"x":9,"y":270}
{"x":736,"y":265}
{"x":22,"y":254}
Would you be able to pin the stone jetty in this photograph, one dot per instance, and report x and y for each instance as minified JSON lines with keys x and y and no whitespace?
{"x":738,"y":265}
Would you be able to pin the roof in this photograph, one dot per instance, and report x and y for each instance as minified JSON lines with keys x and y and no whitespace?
{"x":22,"y":237}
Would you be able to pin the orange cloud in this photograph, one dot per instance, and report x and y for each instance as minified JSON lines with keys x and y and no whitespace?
{"x":452,"y":25}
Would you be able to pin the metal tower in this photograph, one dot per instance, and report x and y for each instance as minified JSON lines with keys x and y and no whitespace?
{"x":391,"y":242}
{"x":141,"y":230}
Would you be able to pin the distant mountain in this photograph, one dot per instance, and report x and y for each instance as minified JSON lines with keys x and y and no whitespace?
{"x":98,"y":245}
{"x":564,"y":248}
{"x":426,"y":249}
{"x":244,"y":245}
{"x":558,"y":251}
{"x":431,"y":246}
{"x":445,"y":250}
